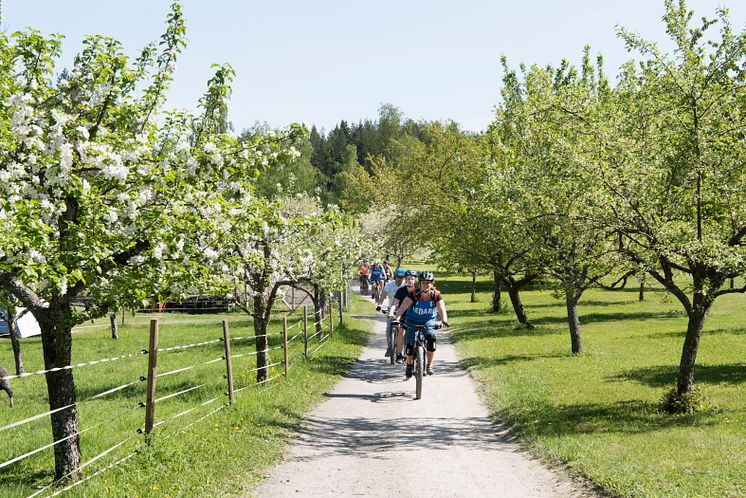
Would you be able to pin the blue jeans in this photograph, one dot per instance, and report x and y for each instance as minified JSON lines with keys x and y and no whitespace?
{"x":429,"y":331}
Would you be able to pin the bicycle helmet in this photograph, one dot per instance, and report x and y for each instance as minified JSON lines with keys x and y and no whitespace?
{"x":400,"y":272}
{"x":427,"y":275}
{"x":410,"y":273}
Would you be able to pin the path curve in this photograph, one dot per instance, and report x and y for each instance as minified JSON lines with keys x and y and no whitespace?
{"x":372,"y":438}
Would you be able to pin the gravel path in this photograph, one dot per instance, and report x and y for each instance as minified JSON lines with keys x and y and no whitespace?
{"x":371,"y":438}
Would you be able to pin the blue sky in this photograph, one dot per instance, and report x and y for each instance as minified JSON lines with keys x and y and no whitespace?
{"x":323,"y":61}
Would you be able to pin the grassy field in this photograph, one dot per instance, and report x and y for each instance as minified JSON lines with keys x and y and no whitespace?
{"x":222,"y":455}
{"x":597,"y":413}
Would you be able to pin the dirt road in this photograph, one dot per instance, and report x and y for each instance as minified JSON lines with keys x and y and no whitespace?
{"x":372,"y":438}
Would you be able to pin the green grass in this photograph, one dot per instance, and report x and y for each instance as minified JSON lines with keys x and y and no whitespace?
{"x":225,"y":454}
{"x":597,"y":413}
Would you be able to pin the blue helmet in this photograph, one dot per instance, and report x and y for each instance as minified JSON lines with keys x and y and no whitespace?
{"x":400,"y":272}
{"x":410,"y":273}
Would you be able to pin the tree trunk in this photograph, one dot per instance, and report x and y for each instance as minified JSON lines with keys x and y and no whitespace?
{"x":15,"y":342}
{"x":318,"y":308}
{"x":694,"y":329}
{"x":473,"y":287}
{"x":641,"y":295}
{"x":56,"y":339}
{"x":496,"y":291}
{"x":515,"y":300}
{"x":114,"y":326}
{"x":260,"y":334}
{"x":572,"y":319}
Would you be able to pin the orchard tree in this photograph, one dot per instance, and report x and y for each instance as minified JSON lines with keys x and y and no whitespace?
{"x":99,"y":190}
{"x":674,"y":168}
{"x":548,"y":112}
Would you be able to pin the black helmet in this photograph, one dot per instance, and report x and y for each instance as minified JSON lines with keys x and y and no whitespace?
{"x":427,"y":275}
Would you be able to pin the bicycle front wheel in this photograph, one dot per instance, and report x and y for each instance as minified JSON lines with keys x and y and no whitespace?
{"x":419,"y":360}
{"x":392,"y":343}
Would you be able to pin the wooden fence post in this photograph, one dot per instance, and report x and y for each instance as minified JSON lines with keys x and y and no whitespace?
{"x":285,"y":341}
{"x":152,"y":365}
{"x":228,"y":361}
{"x":339,"y":307}
{"x":331,"y":316}
{"x":305,"y":331}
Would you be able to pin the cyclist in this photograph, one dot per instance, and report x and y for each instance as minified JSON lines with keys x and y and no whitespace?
{"x":376,"y":276}
{"x":388,"y":272}
{"x":388,"y":293}
{"x":423,"y":308}
{"x":410,"y":285}
{"x":364,"y":271}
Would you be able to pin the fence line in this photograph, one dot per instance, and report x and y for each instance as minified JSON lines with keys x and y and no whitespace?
{"x":98,"y":472}
{"x":164,"y":398}
{"x":77,"y":365}
{"x":260,"y":382}
{"x":50,"y":412}
{"x":81,"y":467}
{"x":290,"y":351}
{"x":55,"y":443}
{"x":187,"y":346}
{"x":189,"y":410}
{"x":321,"y":344}
{"x":179,"y":370}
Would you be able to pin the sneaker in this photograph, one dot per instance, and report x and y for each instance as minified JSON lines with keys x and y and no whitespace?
{"x":408,"y":373}
{"x":429,"y":370}
{"x":400,"y":359}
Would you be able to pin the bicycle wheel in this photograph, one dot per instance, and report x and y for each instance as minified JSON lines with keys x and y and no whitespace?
{"x":392,"y":342}
{"x":419,"y":359}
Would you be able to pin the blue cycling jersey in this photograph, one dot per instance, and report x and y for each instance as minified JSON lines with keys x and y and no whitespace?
{"x":377,"y":273}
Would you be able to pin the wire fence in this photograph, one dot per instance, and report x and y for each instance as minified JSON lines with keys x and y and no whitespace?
{"x":320,"y":319}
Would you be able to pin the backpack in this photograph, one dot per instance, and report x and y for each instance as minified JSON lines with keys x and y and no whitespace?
{"x":415,"y":294}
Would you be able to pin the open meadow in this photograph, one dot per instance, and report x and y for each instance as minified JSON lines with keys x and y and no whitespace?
{"x":597,"y":413}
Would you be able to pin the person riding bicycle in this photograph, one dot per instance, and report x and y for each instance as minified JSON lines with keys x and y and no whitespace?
{"x":364,"y":272}
{"x":376,"y":275}
{"x":388,"y":293}
{"x":388,"y":272}
{"x":423,"y":308}
{"x":410,"y":285}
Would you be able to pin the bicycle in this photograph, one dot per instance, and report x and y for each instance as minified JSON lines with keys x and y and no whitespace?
{"x":420,"y":355}
{"x":364,"y":285}
{"x":376,"y":290}
{"x":391,"y":332}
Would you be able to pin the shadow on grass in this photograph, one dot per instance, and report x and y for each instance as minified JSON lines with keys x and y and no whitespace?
{"x":607,"y":317}
{"x":627,"y":416}
{"x":480,"y":362}
{"x":680,"y":334}
{"x":665,"y":375}
{"x":495,"y":328}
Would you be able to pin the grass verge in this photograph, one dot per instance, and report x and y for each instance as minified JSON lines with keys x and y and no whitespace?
{"x":598,"y":413}
{"x":223,"y":455}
